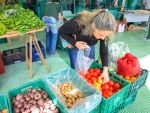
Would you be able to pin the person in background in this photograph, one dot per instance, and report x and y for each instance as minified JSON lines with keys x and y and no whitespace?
{"x":148,"y":36}
{"x":97,"y":26}
{"x":146,"y":4}
{"x":51,"y":15}
{"x":70,"y":6}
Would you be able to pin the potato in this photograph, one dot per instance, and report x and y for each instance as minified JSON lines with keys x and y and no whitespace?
{"x":62,"y":88}
{"x":80,"y":95}
{"x":69,"y":96}
{"x":69,"y":105}
{"x":73,"y":100}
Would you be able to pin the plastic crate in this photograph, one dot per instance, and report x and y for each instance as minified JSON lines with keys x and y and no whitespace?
{"x":2,"y":69}
{"x":3,"y":40}
{"x":128,"y":101}
{"x":35,"y":84}
{"x":14,"y":56}
{"x":108,"y":105}
{"x":3,"y":102}
{"x":138,"y":83}
{"x":64,"y":72}
{"x":35,"y":56}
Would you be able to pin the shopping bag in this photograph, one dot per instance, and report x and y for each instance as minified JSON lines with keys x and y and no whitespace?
{"x":115,"y":52}
{"x":128,"y":65}
{"x":83,"y":62}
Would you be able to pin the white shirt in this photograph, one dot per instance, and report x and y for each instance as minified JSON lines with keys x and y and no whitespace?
{"x":147,"y":4}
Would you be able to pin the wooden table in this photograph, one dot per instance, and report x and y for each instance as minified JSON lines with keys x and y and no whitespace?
{"x":32,"y":39}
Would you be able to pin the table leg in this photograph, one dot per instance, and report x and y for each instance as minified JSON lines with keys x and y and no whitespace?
{"x":20,"y":38}
{"x":27,"y":59}
{"x":30,"y":56}
{"x":9,"y":41}
{"x":40,"y":53}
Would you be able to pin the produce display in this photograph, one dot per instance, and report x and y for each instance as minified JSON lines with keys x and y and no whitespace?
{"x":70,"y":94}
{"x":4,"y":111}
{"x":34,"y":101}
{"x":108,"y":89}
{"x":15,"y":18}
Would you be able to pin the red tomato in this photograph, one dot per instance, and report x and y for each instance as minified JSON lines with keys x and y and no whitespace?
{"x":116,"y":85}
{"x":110,"y":88}
{"x":105,"y":87}
{"x":86,"y":79}
{"x":93,"y":79}
{"x":106,"y":96}
{"x":95,"y":74}
{"x":118,"y":90}
{"x":97,"y":71}
{"x":88,"y":76}
{"x":109,"y":92}
{"x":91,"y":70}
{"x":110,"y":83}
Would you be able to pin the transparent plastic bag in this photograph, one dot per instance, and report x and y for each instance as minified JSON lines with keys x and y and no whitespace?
{"x":92,"y":97}
{"x":83,"y":62}
{"x":116,"y":51}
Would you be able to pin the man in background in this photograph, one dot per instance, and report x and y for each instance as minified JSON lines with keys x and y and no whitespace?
{"x":146,"y":4}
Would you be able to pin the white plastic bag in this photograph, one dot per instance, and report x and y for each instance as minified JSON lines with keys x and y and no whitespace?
{"x":116,"y":51}
{"x":83,"y":62}
{"x":92,"y":96}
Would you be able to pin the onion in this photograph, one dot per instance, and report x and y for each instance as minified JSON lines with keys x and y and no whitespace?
{"x":56,"y":110}
{"x":43,"y":92}
{"x":49,"y":101}
{"x":20,"y":105}
{"x":41,"y":110}
{"x":47,"y":106}
{"x":22,"y":109}
{"x":25,"y":95}
{"x":22,"y":100}
{"x":47,"y":111}
{"x":16,"y":110}
{"x":28,"y":98}
{"x":45,"y":96}
{"x":13,"y":100}
{"x":53,"y":106}
{"x":31,"y":95}
{"x":39,"y":89}
{"x":40,"y":102}
{"x":33,"y":107}
{"x":37,"y":96}
{"x":19,"y":96}
{"x":28,"y":106}
{"x":27,"y":111}
{"x":36,"y":110}
{"x":33,"y":90}
{"x":30,"y":90}
{"x":16,"y":103}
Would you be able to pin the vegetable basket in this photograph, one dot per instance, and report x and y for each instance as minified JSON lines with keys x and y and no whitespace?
{"x":108,"y":105}
{"x":24,"y":88}
{"x":3,"y":102}
{"x":89,"y":104}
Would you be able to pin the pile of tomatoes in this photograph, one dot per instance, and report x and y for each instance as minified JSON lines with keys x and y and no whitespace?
{"x":93,"y":77}
{"x":110,"y":88}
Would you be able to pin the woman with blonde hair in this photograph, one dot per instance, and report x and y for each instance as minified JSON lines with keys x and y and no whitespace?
{"x":89,"y":27}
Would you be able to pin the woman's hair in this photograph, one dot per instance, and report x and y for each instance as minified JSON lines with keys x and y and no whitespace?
{"x":103,"y":20}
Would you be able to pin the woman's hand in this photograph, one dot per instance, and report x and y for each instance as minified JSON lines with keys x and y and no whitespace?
{"x":105,"y":75}
{"x":81,"y":45}
{"x":69,"y":46}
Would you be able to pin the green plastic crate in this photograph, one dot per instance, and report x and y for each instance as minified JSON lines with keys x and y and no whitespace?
{"x":3,"y":102}
{"x":3,"y":40}
{"x":65,"y":71}
{"x":138,"y":83}
{"x":108,"y":105}
{"x":128,"y":102}
{"x":35,"y":84}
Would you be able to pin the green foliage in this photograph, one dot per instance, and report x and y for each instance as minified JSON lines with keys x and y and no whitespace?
{"x":15,"y":18}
